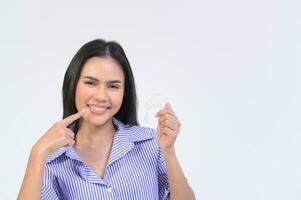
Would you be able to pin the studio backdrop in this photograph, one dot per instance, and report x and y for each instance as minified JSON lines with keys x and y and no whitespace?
{"x":230,"y":69}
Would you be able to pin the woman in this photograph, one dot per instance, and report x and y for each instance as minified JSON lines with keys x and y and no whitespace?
{"x":98,"y":150}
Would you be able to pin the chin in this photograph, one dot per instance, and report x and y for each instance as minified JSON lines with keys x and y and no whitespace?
{"x":99,"y":122}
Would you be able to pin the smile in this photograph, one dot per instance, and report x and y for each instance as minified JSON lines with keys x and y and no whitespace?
{"x":98,"y":109}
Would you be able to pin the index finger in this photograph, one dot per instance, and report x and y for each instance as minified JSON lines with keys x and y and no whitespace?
{"x":68,"y":120}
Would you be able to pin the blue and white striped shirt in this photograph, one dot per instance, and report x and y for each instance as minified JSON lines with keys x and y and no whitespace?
{"x":135,"y":170}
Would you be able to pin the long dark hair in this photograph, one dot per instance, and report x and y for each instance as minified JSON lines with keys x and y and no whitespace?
{"x":127,"y":113}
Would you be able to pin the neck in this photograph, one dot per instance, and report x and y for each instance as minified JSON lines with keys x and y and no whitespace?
{"x":92,"y":137}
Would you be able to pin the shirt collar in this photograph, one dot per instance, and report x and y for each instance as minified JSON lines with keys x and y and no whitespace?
{"x":134,"y":133}
{"x":125,"y":138}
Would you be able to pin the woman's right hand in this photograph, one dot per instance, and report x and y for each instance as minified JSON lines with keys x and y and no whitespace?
{"x":57,"y":136}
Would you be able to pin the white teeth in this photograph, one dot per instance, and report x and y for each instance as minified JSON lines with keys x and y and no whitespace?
{"x":98,"y":109}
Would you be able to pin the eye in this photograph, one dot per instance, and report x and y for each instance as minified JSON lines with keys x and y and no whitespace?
{"x":114,"y":86}
{"x":90,"y":83}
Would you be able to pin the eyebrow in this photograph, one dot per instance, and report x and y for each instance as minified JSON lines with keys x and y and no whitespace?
{"x":95,"y":79}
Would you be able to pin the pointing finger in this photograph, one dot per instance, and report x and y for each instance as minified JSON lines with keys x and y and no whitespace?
{"x":68,"y":120}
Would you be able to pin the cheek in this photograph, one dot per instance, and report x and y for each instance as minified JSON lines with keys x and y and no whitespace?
{"x":77,"y":95}
{"x":118,"y":98}
{"x":81,"y":94}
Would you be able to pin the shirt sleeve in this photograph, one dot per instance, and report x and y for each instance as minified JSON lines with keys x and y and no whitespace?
{"x":162,"y":178}
{"x":50,"y":186}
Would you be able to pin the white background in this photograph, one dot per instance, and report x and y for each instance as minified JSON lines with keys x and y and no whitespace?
{"x":231,"y":70}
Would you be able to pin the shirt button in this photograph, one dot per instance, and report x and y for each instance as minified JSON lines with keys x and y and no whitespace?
{"x":109,"y":189}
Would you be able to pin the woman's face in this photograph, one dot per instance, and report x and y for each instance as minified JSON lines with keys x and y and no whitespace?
{"x":100,"y":88}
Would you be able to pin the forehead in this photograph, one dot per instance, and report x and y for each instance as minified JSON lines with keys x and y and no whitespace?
{"x":103,"y":68}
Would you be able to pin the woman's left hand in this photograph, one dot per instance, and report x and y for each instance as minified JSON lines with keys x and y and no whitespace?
{"x":168,"y":128}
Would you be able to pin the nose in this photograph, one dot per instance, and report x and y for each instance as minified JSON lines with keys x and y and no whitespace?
{"x":101,"y":94}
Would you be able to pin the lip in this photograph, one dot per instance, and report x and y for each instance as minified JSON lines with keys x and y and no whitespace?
{"x":98,"y":109}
